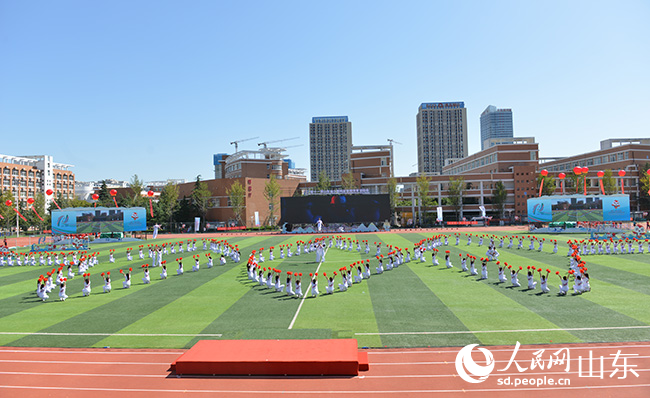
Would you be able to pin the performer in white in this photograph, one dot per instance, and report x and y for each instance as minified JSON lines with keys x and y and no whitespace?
{"x":86,"y":290}
{"x":319,"y":224}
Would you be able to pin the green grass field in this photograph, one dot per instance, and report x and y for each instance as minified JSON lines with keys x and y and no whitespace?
{"x":574,"y":215}
{"x":100,"y":226}
{"x":414,"y":305}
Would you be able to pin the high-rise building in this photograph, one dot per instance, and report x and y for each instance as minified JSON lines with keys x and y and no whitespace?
{"x":442,"y":134}
{"x":495,"y":123}
{"x":25,"y":176}
{"x":330,"y":145}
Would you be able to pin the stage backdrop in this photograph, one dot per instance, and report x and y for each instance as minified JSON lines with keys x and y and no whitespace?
{"x":84,"y":220}
{"x":579,"y":208}
{"x":335,"y":209}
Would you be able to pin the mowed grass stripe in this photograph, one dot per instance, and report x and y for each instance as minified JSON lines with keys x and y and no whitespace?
{"x":413,"y":308}
{"x":597,"y":271}
{"x":345,"y":312}
{"x":257,"y":310}
{"x":573,"y":311}
{"x":622,"y":300}
{"x":484,"y":308}
{"x":577,"y":313}
{"x":26,"y":299}
{"x":39,"y":315}
{"x":118,"y":313}
{"x":192,"y":312}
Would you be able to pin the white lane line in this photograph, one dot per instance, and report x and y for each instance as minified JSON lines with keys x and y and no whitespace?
{"x":443,"y":350}
{"x":111,"y":334}
{"x":451,"y":362}
{"x":320,"y":392}
{"x":99,"y":351}
{"x":159,"y":376}
{"x":163,"y":376}
{"x":308,"y":291}
{"x":501,"y":331}
{"x":86,"y":362}
{"x":494,"y":374}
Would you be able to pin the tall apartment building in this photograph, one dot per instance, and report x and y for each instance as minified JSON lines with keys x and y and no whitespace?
{"x":441,"y":134}
{"x":330,"y":145}
{"x":25,"y":176}
{"x":495,"y":123}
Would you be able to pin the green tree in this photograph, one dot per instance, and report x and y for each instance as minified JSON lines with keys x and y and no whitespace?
{"x":9,"y":216}
{"x":549,"y":184}
{"x":105,"y":199}
{"x":455,"y":194}
{"x":184,"y":211}
{"x":644,"y":180}
{"x":237,"y":196}
{"x":348,"y":181}
{"x":137,"y":186}
{"x":200,"y":196}
{"x":323,"y":181}
{"x":422,"y":183}
{"x":609,"y":183}
{"x":499,"y":196}
{"x":272,"y":193}
{"x":39,"y":206}
{"x":167,"y":203}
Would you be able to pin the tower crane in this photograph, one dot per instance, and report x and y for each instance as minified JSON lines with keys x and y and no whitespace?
{"x":273,"y":142}
{"x":236,"y":143}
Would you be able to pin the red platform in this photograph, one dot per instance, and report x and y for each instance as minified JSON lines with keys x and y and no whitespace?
{"x":272,"y":357}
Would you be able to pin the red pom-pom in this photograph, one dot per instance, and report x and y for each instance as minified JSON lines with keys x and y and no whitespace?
{"x":520,"y":267}
{"x":557,"y":272}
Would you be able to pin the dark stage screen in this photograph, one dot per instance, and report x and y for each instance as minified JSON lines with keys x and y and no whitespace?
{"x":335,"y":209}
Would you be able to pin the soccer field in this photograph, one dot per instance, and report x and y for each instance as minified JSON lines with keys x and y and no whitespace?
{"x":415,"y":305}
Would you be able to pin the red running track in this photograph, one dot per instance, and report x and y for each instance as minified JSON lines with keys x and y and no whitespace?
{"x":419,"y":372}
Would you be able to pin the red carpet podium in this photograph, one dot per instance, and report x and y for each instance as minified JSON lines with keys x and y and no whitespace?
{"x":272,"y":357}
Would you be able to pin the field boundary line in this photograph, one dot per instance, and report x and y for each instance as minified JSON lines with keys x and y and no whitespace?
{"x":305,"y":295}
{"x":503,"y":331}
{"x":111,"y":334}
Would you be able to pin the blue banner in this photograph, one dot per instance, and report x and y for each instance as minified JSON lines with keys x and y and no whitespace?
{"x":82,"y":220}
{"x":579,"y":208}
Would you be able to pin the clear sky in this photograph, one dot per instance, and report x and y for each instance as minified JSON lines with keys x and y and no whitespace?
{"x":155,"y":88}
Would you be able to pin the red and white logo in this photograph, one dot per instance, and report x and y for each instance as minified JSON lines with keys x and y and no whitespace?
{"x":615,"y":204}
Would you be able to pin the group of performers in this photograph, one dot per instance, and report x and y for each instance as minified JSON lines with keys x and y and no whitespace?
{"x":290,"y":283}
{"x":84,"y":261}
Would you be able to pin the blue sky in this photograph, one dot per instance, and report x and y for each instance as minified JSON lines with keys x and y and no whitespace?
{"x":155,"y":88}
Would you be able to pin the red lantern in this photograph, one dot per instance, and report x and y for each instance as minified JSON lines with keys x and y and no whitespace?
{"x":30,"y":200}
{"x":9,"y":203}
{"x":150,"y":194}
{"x":49,"y":192}
{"x":648,"y":172}
{"x":95,"y":196}
{"x":113,"y":192}
{"x":561,"y":176}
{"x":544,"y":173}
{"x":585,"y":170}
{"x":621,"y":173}
{"x":600,"y":174}
{"x":577,"y":170}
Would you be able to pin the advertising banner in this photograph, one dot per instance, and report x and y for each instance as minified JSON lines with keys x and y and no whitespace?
{"x":85,"y":220}
{"x":579,"y":208}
